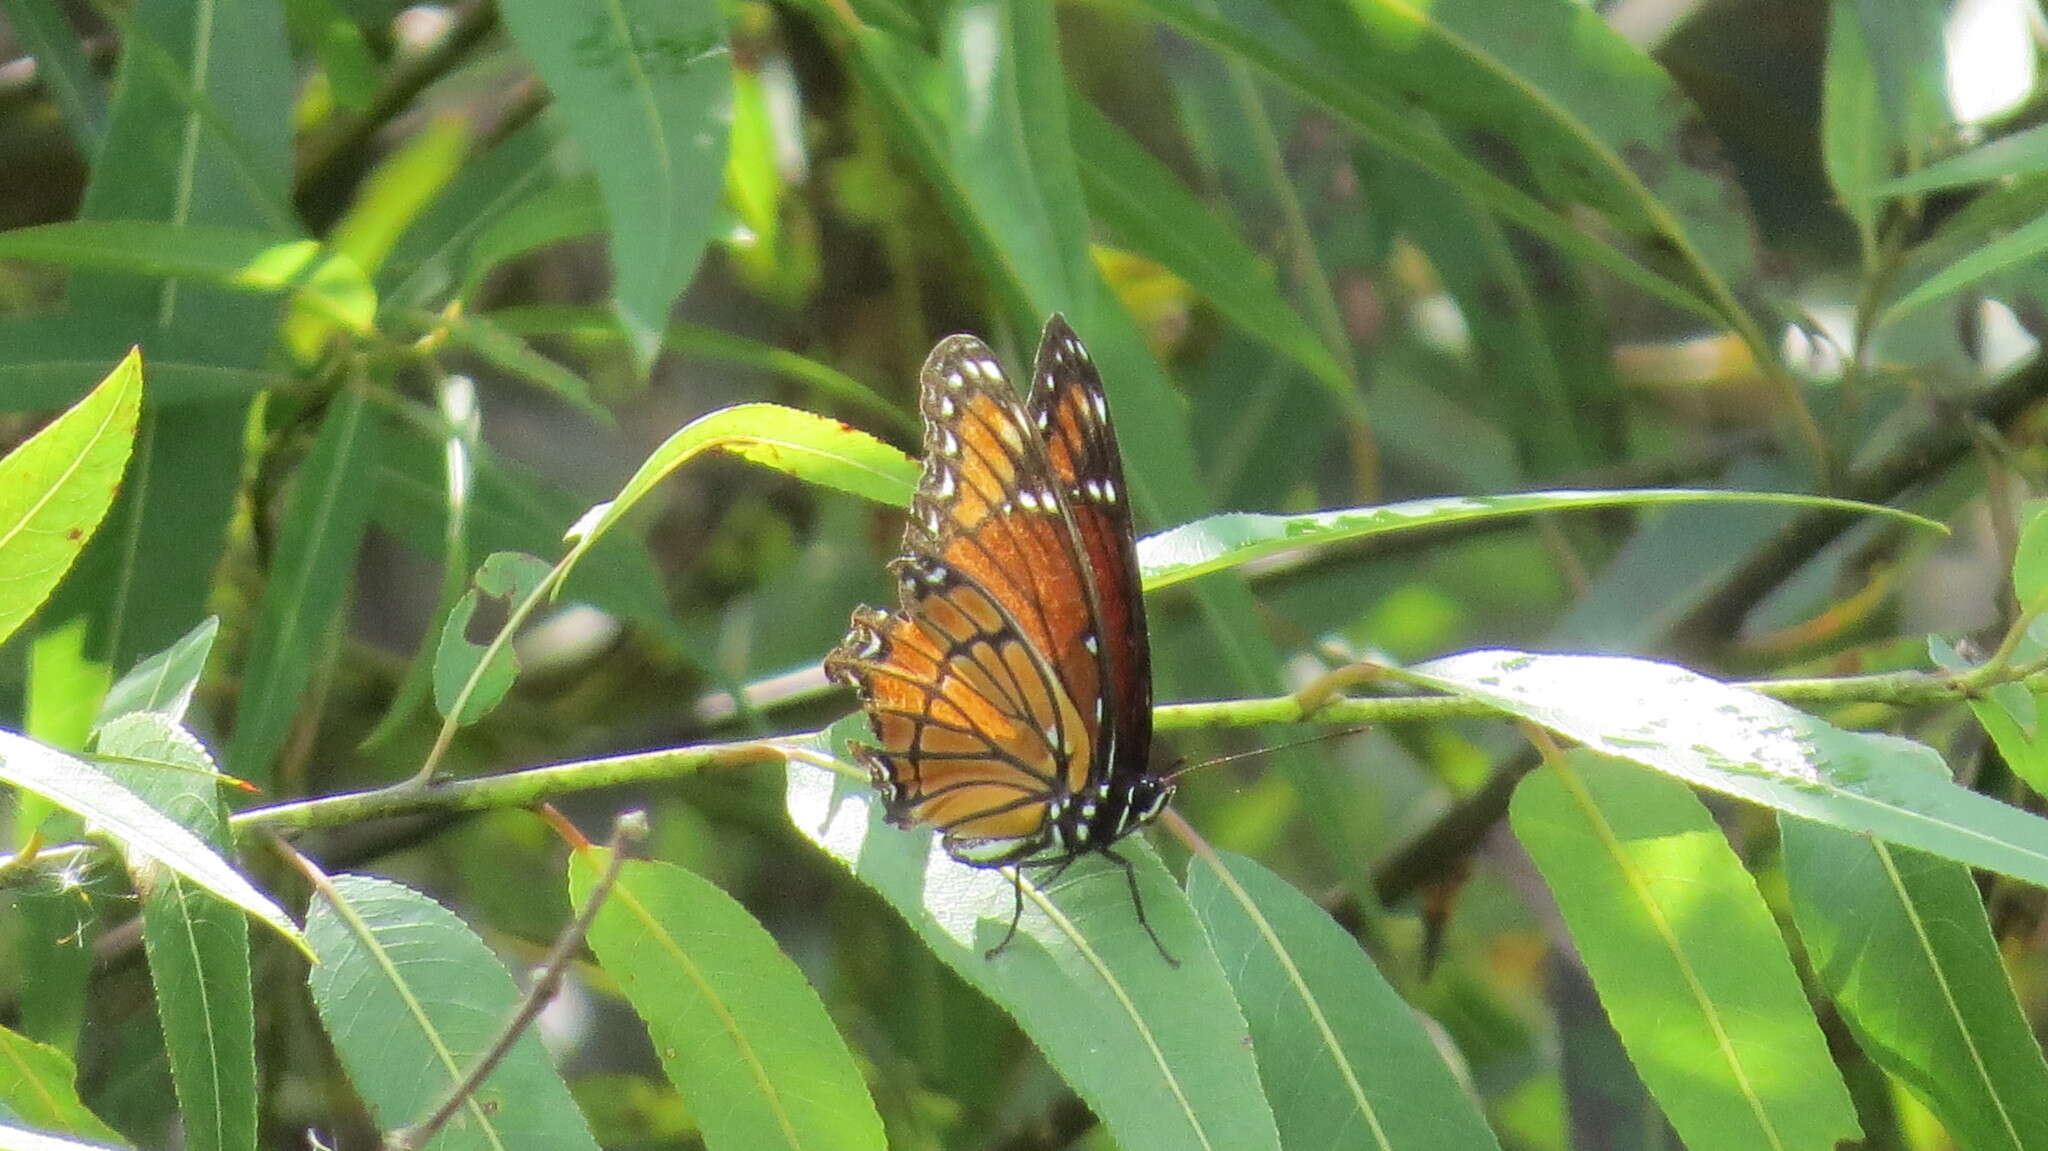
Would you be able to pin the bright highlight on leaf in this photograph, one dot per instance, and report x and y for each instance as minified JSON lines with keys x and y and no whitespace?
{"x":56,"y":487}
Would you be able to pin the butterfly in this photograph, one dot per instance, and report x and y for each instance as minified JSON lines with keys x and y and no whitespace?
{"x":1010,"y":693}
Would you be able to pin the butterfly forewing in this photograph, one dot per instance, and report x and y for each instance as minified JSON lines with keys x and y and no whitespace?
{"x":985,"y":688}
{"x":1071,"y":414}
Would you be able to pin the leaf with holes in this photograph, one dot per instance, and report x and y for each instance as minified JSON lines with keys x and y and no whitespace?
{"x":508,"y":578}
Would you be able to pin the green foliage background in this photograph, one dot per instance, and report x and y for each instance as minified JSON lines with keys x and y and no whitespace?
{"x":1487,"y":309}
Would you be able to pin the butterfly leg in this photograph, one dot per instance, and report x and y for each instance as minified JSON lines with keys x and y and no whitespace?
{"x":1131,"y":877}
{"x":1017,"y":911}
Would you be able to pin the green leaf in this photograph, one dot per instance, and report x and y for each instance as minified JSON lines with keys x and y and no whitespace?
{"x":319,"y":534}
{"x":1855,"y":142}
{"x":2012,"y":250}
{"x":328,"y":283}
{"x":1734,"y":741}
{"x":683,"y":339}
{"x":37,"y":1085}
{"x":2012,"y":715}
{"x":506,"y":576}
{"x":1344,"y":1060}
{"x":742,"y":1036}
{"x":2020,"y":154}
{"x":50,"y":359}
{"x":1382,"y":117}
{"x":1081,"y":977}
{"x":62,"y":71}
{"x":17,"y":1139}
{"x":412,"y":998}
{"x":1148,"y":209}
{"x":57,"y":486}
{"x":506,"y":351}
{"x":1234,"y":538}
{"x":132,"y":824}
{"x":510,"y":509}
{"x":644,"y":88}
{"x":812,"y":448}
{"x":198,"y":946}
{"x":1901,"y":942}
{"x":1685,"y":956}
{"x":2030,"y":558}
{"x":549,"y":215}
{"x":1907,"y":45}
{"x":427,"y":257}
{"x":164,"y":682}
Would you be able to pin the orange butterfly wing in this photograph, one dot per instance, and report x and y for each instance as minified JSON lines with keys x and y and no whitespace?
{"x":986,"y":687}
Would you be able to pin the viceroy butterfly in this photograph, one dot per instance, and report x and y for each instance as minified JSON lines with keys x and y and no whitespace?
{"x":1010,"y":694}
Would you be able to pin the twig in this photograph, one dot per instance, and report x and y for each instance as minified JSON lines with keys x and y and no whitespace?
{"x":630,"y":828}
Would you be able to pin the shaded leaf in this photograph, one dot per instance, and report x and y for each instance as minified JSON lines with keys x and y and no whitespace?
{"x":2020,"y":154}
{"x":1082,"y":978}
{"x":1345,"y":1062}
{"x":318,"y":536}
{"x":58,"y":484}
{"x":741,"y":1034}
{"x":62,"y":71}
{"x":1685,"y":956}
{"x":412,"y":998}
{"x":1901,"y":942}
{"x":325,"y":282}
{"x":645,"y":88}
{"x":510,"y":577}
{"x":198,"y":946}
{"x":164,"y":682}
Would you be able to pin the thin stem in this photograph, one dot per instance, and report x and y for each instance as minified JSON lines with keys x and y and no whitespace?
{"x":630,"y":828}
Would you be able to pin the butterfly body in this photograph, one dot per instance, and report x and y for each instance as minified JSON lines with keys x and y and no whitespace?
{"x":1010,"y":692}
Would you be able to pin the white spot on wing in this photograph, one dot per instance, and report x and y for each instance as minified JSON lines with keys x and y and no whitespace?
{"x":1088,"y":641}
{"x":1028,"y":498}
{"x":954,"y":381}
{"x":944,"y":487}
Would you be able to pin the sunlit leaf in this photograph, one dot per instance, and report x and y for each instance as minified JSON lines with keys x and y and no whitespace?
{"x":1224,"y":541}
{"x":1082,"y":978}
{"x":1687,"y":960}
{"x":741,"y":1034}
{"x":38,"y":1085}
{"x":58,"y":484}
{"x":165,"y":681}
{"x":1740,"y":743}
{"x":1901,"y":942}
{"x":412,"y":998}
{"x":118,"y":814}
{"x":506,"y":577}
{"x":1345,"y":1062}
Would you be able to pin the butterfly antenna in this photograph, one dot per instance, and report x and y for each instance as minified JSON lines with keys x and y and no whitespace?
{"x":1177,"y":772}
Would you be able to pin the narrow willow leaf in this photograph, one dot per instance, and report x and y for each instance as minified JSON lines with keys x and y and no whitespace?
{"x":645,"y":88}
{"x":2011,"y":250}
{"x":2030,"y":558}
{"x":198,"y":946}
{"x":412,"y":998}
{"x":323,"y":281}
{"x":506,"y":351}
{"x":1147,"y":208}
{"x":425,"y":260}
{"x":508,"y":577}
{"x":811,"y":448}
{"x":17,"y":1139}
{"x":320,"y":531}
{"x":742,"y":1036}
{"x":592,"y":326}
{"x":38,"y":1085}
{"x":115,"y":812}
{"x":2020,"y":154}
{"x":1344,"y":1059}
{"x":1685,"y":956}
{"x":164,"y":682}
{"x":2013,"y":716}
{"x":1901,"y":941}
{"x":1234,"y":538}
{"x":57,"y":486}
{"x":1082,"y":978}
{"x":1735,"y":741}
{"x":1855,"y":142}
{"x":550,"y":214}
